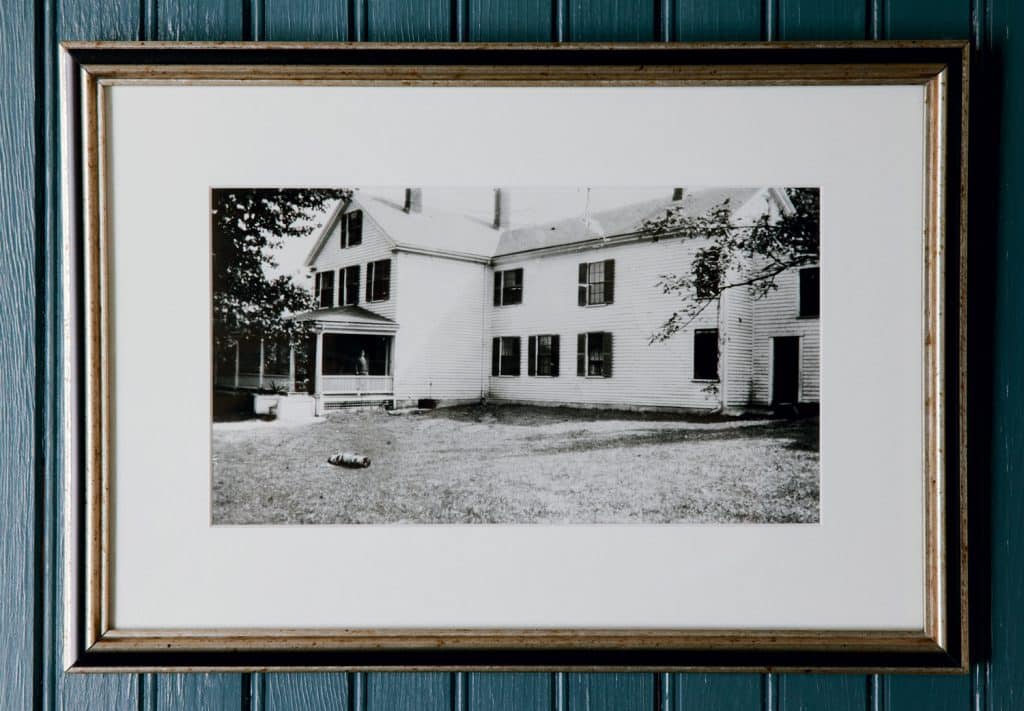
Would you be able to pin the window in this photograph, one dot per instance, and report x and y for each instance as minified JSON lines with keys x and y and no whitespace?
{"x":594,"y":354}
{"x":378,"y":280}
{"x":596,"y":283}
{"x":348,"y":285}
{"x":351,"y":228}
{"x":810,"y":292}
{"x":705,"y":354}
{"x":508,"y":287}
{"x":324,"y":289}
{"x":542,"y":356}
{"x":707,"y":272}
{"x":505,"y":356}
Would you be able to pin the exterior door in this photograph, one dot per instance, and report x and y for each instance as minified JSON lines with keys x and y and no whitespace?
{"x":785,"y":370}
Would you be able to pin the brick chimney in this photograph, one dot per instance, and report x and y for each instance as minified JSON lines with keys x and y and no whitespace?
{"x":413,"y":200}
{"x":677,"y":194}
{"x":502,"y":209}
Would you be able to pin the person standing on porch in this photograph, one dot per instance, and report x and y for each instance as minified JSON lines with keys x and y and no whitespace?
{"x":362,"y":365}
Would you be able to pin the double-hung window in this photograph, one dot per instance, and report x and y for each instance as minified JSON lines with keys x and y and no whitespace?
{"x":594,"y":354}
{"x":505,"y":355}
{"x":705,"y":354}
{"x":542,"y":355}
{"x":378,"y":280}
{"x":810,"y":292}
{"x":324,"y":289}
{"x":508,"y":287}
{"x":348,"y":286}
{"x":351,"y":228}
{"x":596,"y":283}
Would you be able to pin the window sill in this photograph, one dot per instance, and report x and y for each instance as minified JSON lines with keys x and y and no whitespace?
{"x":705,"y":380}
{"x":596,"y":306}
{"x":808,"y":318}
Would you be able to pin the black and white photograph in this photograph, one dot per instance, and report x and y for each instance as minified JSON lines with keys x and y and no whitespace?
{"x":515,"y":355}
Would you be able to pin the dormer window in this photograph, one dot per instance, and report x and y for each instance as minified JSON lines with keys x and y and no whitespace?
{"x":351,"y":228}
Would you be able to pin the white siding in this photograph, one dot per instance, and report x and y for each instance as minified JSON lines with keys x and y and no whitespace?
{"x":439,"y":348}
{"x":778,"y":314}
{"x":643,"y":374}
{"x":737,"y":345}
{"x":375,"y":246}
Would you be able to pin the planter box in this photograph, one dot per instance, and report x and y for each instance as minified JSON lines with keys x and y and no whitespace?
{"x":263,"y":404}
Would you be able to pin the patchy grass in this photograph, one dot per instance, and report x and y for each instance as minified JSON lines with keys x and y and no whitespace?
{"x":513,"y":464}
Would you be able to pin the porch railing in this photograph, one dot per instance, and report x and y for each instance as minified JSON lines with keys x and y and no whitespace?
{"x":250,"y":381}
{"x":361,"y":384}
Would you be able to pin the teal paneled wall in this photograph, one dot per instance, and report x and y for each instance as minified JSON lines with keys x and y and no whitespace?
{"x":31,"y":550}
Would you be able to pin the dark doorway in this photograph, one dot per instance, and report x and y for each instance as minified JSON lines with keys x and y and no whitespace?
{"x":785,"y":370}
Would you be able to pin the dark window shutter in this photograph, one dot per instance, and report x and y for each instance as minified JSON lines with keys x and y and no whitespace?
{"x":497,"y":288}
{"x":606,"y":342}
{"x":352,"y":285}
{"x":343,"y":231}
{"x":369,"y":281}
{"x":609,"y":281}
{"x":516,"y":356}
{"x":531,"y":356}
{"x":383,"y":276}
{"x":495,"y":355}
{"x":810,"y":294}
{"x":355,"y":228}
{"x":581,"y":354}
{"x":555,"y":352}
{"x":581,"y":296}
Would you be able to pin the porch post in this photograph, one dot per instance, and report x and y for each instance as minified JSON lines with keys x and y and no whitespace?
{"x":261,"y":362}
{"x":291,"y":368}
{"x":319,"y":372}
{"x":236,"y":365}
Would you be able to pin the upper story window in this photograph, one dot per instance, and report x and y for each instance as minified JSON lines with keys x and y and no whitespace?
{"x":705,"y":354}
{"x":351,"y":228}
{"x":348,"y":286}
{"x":542,"y":355}
{"x":324,"y":289}
{"x":378,"y":280}
{"x":707,"y":273}
{"x":508,"y":287}
{"x":594,"y":354}
{"x":505,"y":355}
{"x":810,"y":292}
{"x":596,"y":283}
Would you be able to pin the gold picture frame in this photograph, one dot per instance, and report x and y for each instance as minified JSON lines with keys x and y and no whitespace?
{"x":89,"y":69}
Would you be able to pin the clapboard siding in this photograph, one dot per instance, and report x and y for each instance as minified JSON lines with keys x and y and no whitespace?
{"x":778,"y":314}
{"x":439,"y":351}
{"x":639,"y":309}
{"x":375,"y":246}
{"x":27,"y":34}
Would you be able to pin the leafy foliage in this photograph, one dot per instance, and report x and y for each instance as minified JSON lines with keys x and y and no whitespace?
{"x":735,"y":255}
{"x":248,"y":226}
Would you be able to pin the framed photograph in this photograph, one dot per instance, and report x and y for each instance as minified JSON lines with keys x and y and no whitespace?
{"x":516,"y":356}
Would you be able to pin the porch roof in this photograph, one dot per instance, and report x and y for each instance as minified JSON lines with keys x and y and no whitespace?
{"x":347,"y":319}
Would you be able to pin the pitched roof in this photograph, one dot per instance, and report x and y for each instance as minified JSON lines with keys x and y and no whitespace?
{"x":617,"y":221}
{"x":431,"y":229}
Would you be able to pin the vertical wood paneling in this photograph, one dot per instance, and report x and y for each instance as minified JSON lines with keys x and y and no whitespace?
{"x":708,"y":20}
{"x":20,"y":600}
{"x":200,"y":19}
{"x":611,"y":692}
{"x":811,"y":692}
{"x":189,"y":692}
{"x":497,"y":692}
{"x":822,"y":19}
{"x":1003,"y":38}
{"x":320,"y":20}
{"x":510,"y":20}
{"x":722,"y":692}
{"x":927,"y":693}
{"x":903,"y":19}
{"x":282,"y":692}
{"x":607,"y":20}
{"x":403,"y":690}
{"x":408,"y":20}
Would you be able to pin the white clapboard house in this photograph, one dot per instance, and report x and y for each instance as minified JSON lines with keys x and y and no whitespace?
{"x":421,"y":303}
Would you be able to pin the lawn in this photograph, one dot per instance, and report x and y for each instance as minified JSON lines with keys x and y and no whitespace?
{"x":517,"y":464}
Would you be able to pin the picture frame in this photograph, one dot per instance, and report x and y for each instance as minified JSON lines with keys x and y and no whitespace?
{"x":99,"y":482}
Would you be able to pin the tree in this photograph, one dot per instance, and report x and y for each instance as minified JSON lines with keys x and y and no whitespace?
{"x":735,"y":255}
{"x":248,"y":225}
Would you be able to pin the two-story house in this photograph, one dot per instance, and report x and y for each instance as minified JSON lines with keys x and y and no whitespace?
{"x":420,"y":303}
